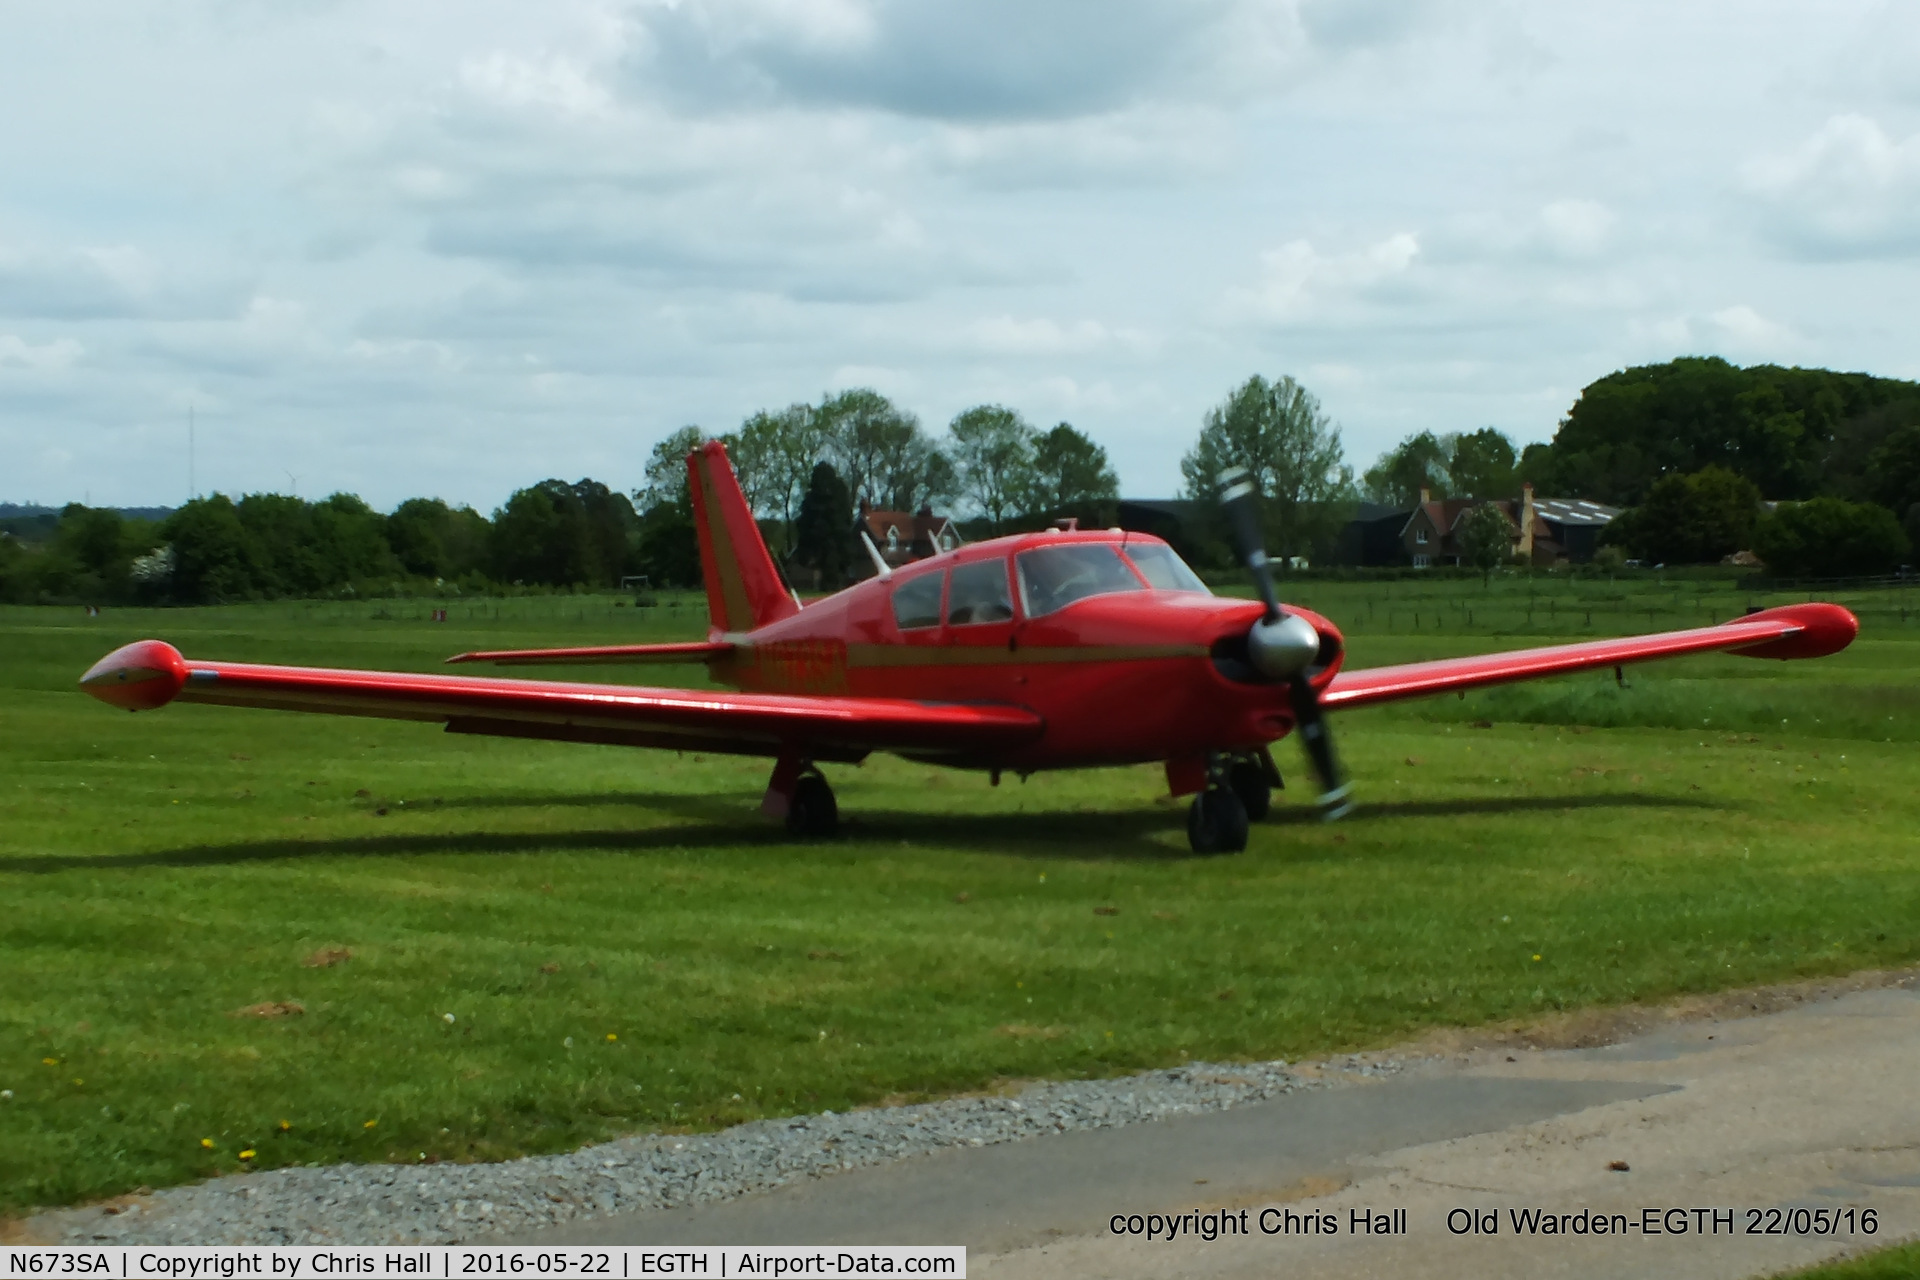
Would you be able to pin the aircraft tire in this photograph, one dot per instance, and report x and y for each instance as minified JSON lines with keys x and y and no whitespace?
{"x":1249,"y":782}
{"x":1217,"y":822}
{"x":812,"y":812}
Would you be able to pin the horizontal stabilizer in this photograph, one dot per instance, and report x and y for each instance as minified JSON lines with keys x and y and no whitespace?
{"x":692,"y":651}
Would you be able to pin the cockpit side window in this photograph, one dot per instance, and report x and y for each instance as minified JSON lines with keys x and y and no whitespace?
{"x":916,"y":602}
{"x":979,"y":594}
{"x":1054,"y":577}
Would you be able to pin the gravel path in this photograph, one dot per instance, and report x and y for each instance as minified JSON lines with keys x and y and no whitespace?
{"x":451,"y":1203}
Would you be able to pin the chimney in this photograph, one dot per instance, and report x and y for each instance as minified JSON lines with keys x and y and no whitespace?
{"x":1526,"y":519}
{"x":1425,"y":497}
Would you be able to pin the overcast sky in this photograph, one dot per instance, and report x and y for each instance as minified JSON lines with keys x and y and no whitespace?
{"x":455,"y":248}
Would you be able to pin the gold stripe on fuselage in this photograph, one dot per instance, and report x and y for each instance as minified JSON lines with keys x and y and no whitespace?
{"x":821,"y":666}
{"x":951,"y":655}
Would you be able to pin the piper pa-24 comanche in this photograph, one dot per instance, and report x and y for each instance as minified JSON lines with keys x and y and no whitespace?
{"x":1063,"y":649}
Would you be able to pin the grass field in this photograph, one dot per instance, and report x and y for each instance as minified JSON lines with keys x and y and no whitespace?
{"x":501,"y":947}
{"x":1901,"y":1262}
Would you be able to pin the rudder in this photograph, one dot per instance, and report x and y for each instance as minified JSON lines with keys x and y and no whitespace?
{"x":744,"y":590}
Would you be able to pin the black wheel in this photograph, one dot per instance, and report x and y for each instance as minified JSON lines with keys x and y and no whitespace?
{"x":1249,"y":781}
{"x":1217,"y":822}
{"x":812,"y":811}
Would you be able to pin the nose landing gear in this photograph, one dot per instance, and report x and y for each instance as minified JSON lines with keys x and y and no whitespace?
{"x":1239,"y":790}
{"x":1248,"y":778}
{"x":1217,"y":822}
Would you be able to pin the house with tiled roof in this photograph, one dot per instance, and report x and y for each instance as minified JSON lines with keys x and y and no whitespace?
{"x":1541,"y":532}
{"x":902,"y":537}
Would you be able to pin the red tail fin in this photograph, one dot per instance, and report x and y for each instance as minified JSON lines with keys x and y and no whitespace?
{"x":744,"y":591}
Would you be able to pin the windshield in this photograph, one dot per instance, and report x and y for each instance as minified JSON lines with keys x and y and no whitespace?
{"x":1163,"y":570}
{"x":1053,"y":577}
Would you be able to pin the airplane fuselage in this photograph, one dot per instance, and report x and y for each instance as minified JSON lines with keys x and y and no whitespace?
{"x":1121,"y":677}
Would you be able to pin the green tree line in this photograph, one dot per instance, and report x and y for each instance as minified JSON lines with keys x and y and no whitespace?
{"x":1690,"y":448}
{"x":1815,"y":472}
{"x":803,"y":470}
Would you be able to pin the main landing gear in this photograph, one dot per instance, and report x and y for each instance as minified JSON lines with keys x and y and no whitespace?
{"x":799,"y":797}
{"x":1239,"y":791}
{"x":812,"y":811}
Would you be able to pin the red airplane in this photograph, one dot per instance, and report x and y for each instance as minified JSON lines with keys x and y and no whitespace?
{"x":1062,"y":649}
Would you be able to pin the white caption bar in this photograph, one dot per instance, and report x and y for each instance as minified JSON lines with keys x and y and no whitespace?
{"x":454,"y":1262}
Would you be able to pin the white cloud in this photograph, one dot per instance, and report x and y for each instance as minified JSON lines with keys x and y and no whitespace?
{"x":1849,"y":190}
{"x":1577,"y":228}
{"x":1297,"y":280}
{"x":933,"y":59}
{"x":553,"y":82}
{"x":453,"y":247}
{"x":17,"y":352}
{"x":1746,"y":332}
{"x":1008,"y":335}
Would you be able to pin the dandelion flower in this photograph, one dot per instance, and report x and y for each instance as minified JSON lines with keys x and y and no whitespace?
{"x":207,"y":1143}
{"x":611,"y":1037}
{"x":1536,"y":957}
{"x":369,"y":1124}
{"x":285,"y":1125}
{"x":50,"y":1062}
{"x":248,"y":1154}
{"x":446,"y":1017}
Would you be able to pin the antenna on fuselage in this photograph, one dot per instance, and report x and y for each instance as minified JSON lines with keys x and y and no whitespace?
{"x":881,"y":569}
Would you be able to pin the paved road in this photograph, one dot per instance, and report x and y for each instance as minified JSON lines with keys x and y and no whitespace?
{"x":1817,"y":1107}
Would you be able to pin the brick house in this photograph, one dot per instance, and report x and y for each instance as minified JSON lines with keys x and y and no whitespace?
{"x":1541,"y":532}
{"x":903,"y":537}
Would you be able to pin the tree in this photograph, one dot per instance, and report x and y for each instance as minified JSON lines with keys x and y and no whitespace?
{"x":1486,"y":538}
{"x":433,"y":540}
{"x":1536,"y":467}
{"x":667,"y":549}
{"x":865,"y":437}
{"x":1483,"y":466}
{"x":1276,"y":430}
{"x":214,"y":559}
{"x":992,"y":452}
{"x":1069,"y":470}
{"x":1830,"y":538}
{"x":1692,"y":519}
{"x":888,"y":462}
{"x":667,"y":469}
{"x":563,"y":534}
{"x":1416,"y":463}
{"x":1777,"y":427}
{"x":1895,"y":468}
{"x":774,"y":456}
{"x":823,"y":534}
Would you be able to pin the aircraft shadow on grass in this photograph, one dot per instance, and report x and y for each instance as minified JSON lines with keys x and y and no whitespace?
{"x":715,"y":822}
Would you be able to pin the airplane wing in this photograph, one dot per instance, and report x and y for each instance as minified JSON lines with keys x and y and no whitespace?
{"x":691,"y":651}
{"x":1792,"y":631}
{"x":150,"y":673}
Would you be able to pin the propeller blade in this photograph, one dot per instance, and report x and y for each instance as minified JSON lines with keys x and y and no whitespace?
{"x":1336,"y":792}
{"x":1243,"y":518}
{"x":1283,"y":644}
